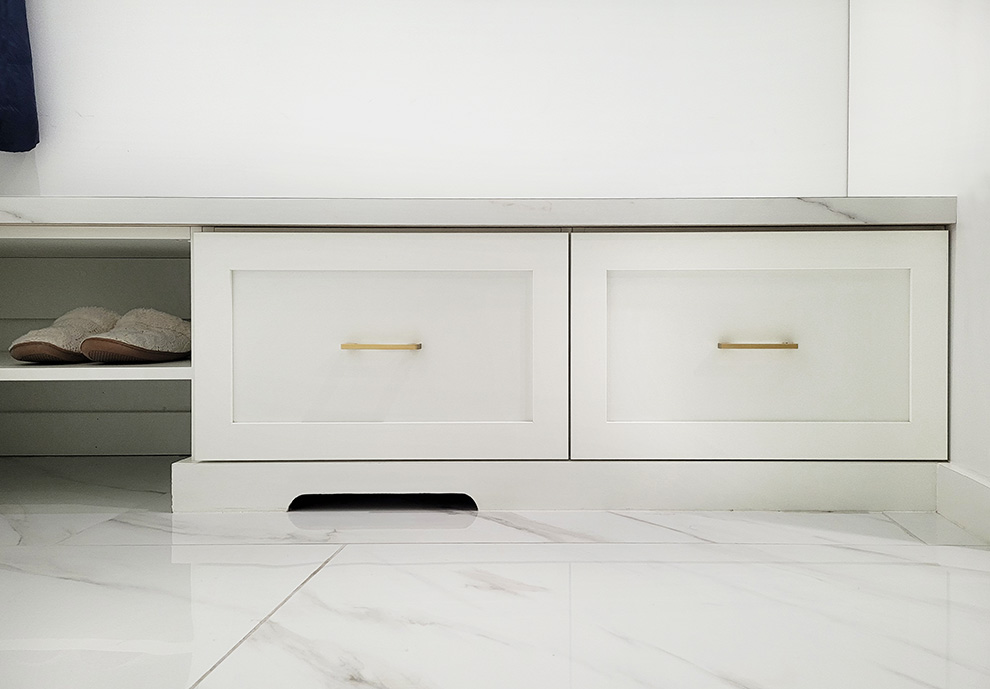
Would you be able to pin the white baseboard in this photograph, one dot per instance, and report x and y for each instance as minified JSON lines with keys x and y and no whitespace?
{"x":519,"y":485}
{"x":964,"y":498}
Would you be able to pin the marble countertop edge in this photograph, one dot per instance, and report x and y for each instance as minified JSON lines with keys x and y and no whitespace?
{"x":479,"y":212}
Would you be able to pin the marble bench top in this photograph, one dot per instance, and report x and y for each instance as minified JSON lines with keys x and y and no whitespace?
{"x":486,"y":212}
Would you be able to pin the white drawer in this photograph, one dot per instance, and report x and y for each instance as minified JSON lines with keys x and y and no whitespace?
{"x":374,"y":346}
{"x":787,"y":345}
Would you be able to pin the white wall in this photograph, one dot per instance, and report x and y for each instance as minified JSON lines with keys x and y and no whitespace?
{"x":396,"y":98}
{"x":903,"y":91}
{"x":920,"y":124}
{"x":970,"y":436}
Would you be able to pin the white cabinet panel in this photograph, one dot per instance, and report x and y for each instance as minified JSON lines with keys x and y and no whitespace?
{"x":470,"y":335}
{"x":375,"y":346}
{"x":843,"y":345}
{"x":849,"y":327}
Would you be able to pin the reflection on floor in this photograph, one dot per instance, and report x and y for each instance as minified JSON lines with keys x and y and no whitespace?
{"x":101,"y":587}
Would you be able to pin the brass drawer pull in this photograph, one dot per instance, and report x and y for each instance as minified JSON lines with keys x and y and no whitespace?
{"x":355,"y":345}
{"x":757,"y":345}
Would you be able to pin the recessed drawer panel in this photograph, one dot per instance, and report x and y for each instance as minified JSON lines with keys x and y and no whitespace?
{"x":380,"y":346}
{"x":759,"y":345}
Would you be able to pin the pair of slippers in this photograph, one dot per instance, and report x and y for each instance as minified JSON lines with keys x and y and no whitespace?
{"x":92,"y":333}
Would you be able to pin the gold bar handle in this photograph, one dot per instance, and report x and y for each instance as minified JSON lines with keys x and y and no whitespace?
{"x":355,"y":345}
{"x":757,"y":345}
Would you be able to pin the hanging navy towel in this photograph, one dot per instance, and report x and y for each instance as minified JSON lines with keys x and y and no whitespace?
{"x":18,"y":110}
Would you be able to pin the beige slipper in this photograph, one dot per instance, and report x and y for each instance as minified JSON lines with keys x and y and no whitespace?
{"x":141,"y":336}
{"x":59,"y":343}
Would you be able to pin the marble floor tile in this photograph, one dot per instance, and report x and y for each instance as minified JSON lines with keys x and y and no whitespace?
{"x":139,"y":527}
{"x":101,"y":587}
{"x":934,"y":529}
{"x":762,"y":625}
{"x":83,"y":484}
{"x":146,"y":527}
{"x":143,"y":527}
{"x":856,"y":528}
{"x":953,"y":557}
{"x":48,"y":500}
{"x":585,"y":526}
{"x":638,"y":615}
{"x":476,"y":624}
{"x":136,"y":616}
{"x":18,"y":527}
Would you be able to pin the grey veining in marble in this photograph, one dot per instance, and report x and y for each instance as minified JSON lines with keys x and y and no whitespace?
{"x":482,"y":212}
{"x":495,"y":619}
{"x":934,"y":529}
{"x":109,"y":591}
{"x":83,"y":484}
{"x":106,"y":616}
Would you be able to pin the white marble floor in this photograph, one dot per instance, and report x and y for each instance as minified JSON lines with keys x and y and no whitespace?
{"x":101,"y":587}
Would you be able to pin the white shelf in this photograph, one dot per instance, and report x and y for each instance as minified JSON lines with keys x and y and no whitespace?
{"x":89,"y":242}
{"x":10,"y":369}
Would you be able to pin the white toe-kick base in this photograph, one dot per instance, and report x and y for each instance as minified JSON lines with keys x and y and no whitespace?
{"x":199,"y":486}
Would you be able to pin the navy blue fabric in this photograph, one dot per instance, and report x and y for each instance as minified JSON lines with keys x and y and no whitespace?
{"x":18,"y":110}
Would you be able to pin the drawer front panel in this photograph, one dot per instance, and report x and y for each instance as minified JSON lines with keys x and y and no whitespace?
{"x":678,"y":345}
{"x":472,"y":333}
{"x":380,"y":346}
{"x":850,"y":329}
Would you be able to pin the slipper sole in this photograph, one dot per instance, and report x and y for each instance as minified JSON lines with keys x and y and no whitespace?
{"x":45,"y":353}
{"x":116,"y":352}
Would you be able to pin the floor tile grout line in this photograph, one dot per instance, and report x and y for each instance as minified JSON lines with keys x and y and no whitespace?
{"x":661,"y":526}
{"x":916,"y":541}
{"x":683,"y":561}
{"x":266,"y":618}
{"x":865,"y":548}
{"x":984,"y":543}
{"x":905,"y":529}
